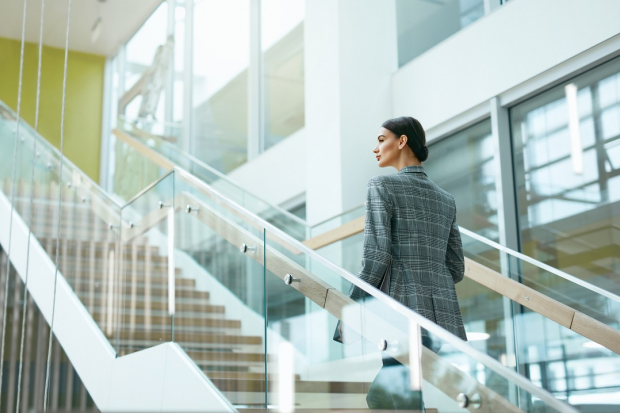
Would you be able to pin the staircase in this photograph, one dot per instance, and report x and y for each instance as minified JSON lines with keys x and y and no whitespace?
{"x":162,"y":282}
{"x":134,"y":314}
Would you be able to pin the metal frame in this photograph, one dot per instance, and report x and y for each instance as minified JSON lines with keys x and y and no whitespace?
{"x":189,"y":141}
{"x":169,"y":86}
{"x":256,"y":103}
{"x":456,"y":124}
{"x":575,"y":66}
{"x":106,"y":127}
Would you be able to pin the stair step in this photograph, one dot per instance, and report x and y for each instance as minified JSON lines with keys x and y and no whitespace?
{"x":209,"y":357}
{"x":182,"y":321}
{"x":101,"y":252}
{"x":82,"y":289}
{"x":301,"y":386}
{"x":196,"y":338}
{"x":81,"y":284}
{"x":240,"y":375}
{"x":206,"y":325}
{"x":100,"y":299}
{"x":188,"y":296}
{"x":156,"y":271}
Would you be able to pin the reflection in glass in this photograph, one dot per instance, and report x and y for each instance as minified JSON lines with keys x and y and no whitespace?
{"x":462,"y":164}
{"x":140,"y":53}
{"x":220,"y":82}
{"x":283,"y":64}
{"x":567,"y":176}
{"x":423,"y":24}
{"x":565,"y":147}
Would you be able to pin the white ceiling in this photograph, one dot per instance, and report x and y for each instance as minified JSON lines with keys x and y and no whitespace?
{"x":120,"y":19}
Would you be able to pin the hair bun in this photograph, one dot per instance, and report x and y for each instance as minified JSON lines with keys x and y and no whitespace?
{"x":423,"y":155}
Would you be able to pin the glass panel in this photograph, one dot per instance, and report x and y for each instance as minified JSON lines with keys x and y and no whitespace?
{"x":423,"y":24}
{"x":25,"y":367}
{"x":146,"y":269}
{"x":503,"y":329}
{"x":132,"y":171}
{"x":337,"y":221}
{"x":555,"y":357}
{"x":220,"y":87}
{"x":567,"y":172}
{"x":140,"y":54}
{"x":373,"y":368}
{"x":88,"y":220}
{"x":283,"y":64}
{"x":219,"y":319}
{"x":279,"y":217}
{"x":463,"y":165}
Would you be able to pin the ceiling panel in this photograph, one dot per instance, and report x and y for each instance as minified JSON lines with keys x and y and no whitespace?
{"x":120,"y":19}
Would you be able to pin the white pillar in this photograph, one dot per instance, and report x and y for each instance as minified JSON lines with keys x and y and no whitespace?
{"x":350,"y":55}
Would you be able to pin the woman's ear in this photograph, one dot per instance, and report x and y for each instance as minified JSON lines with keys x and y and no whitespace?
{"x":402,"y":141}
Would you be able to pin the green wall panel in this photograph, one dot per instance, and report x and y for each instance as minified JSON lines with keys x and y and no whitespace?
{"x":84,"y":98}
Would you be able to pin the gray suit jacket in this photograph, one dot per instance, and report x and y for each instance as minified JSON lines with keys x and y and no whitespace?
{"x":411,"y":223}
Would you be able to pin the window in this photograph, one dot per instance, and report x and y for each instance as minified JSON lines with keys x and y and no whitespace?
{"x":422,"y":24}
{"x":282,"y":39}
{"x":140,"y":54}
{"x":462,"y":164}
{"x":220,"y":82}
{"x":566,"y":146}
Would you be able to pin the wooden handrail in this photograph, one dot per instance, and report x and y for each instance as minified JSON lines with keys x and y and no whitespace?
{"x":548,"y":307}
{"x":526,"y":296}
{"x":437,"y":371}
{"x":344,"y":231}
{"x":168,"y":165}
{"x":155,"y":157}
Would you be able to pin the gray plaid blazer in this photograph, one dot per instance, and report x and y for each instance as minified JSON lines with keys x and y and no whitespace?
{"x":411,"y":227}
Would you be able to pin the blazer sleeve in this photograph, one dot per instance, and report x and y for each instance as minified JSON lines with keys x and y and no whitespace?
{"x":454,"y":254}
{"x":377,"y":236}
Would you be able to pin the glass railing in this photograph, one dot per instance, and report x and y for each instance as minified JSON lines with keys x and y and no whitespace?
{"x":255,"y":309}
{"x":575,"y":323}
{"x":36,"y":377}
{"x":79,"y":231}
{"x":288,"y":300}
{"x":132,"y":167}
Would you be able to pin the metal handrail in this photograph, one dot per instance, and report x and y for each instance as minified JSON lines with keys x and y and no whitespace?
{"x":51,"y":148}
{"x":595,"y":289}
{"x":435,"y":329}
{"x":541,"y":265}
{"x":459,"y":344}
{"x":220,"y":175}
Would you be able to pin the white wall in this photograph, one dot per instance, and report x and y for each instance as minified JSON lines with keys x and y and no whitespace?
{"x":516,"y":42}
{"x":278,"y":174}
{"x":353,"y":85}
{"x":350,"y":53}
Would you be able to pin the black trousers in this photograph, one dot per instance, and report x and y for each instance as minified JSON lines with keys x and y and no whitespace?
{"x":390,"y":389}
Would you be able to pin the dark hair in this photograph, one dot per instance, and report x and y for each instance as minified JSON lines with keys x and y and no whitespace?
{"x":416,"y":137}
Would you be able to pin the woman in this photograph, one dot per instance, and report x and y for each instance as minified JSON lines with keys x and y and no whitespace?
{"x":410,"y":234}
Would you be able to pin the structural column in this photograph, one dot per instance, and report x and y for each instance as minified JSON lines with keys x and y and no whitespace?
{"x":350,"y":55}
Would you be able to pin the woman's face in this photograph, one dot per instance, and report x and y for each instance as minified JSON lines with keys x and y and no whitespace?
{"x":387,"y":149}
